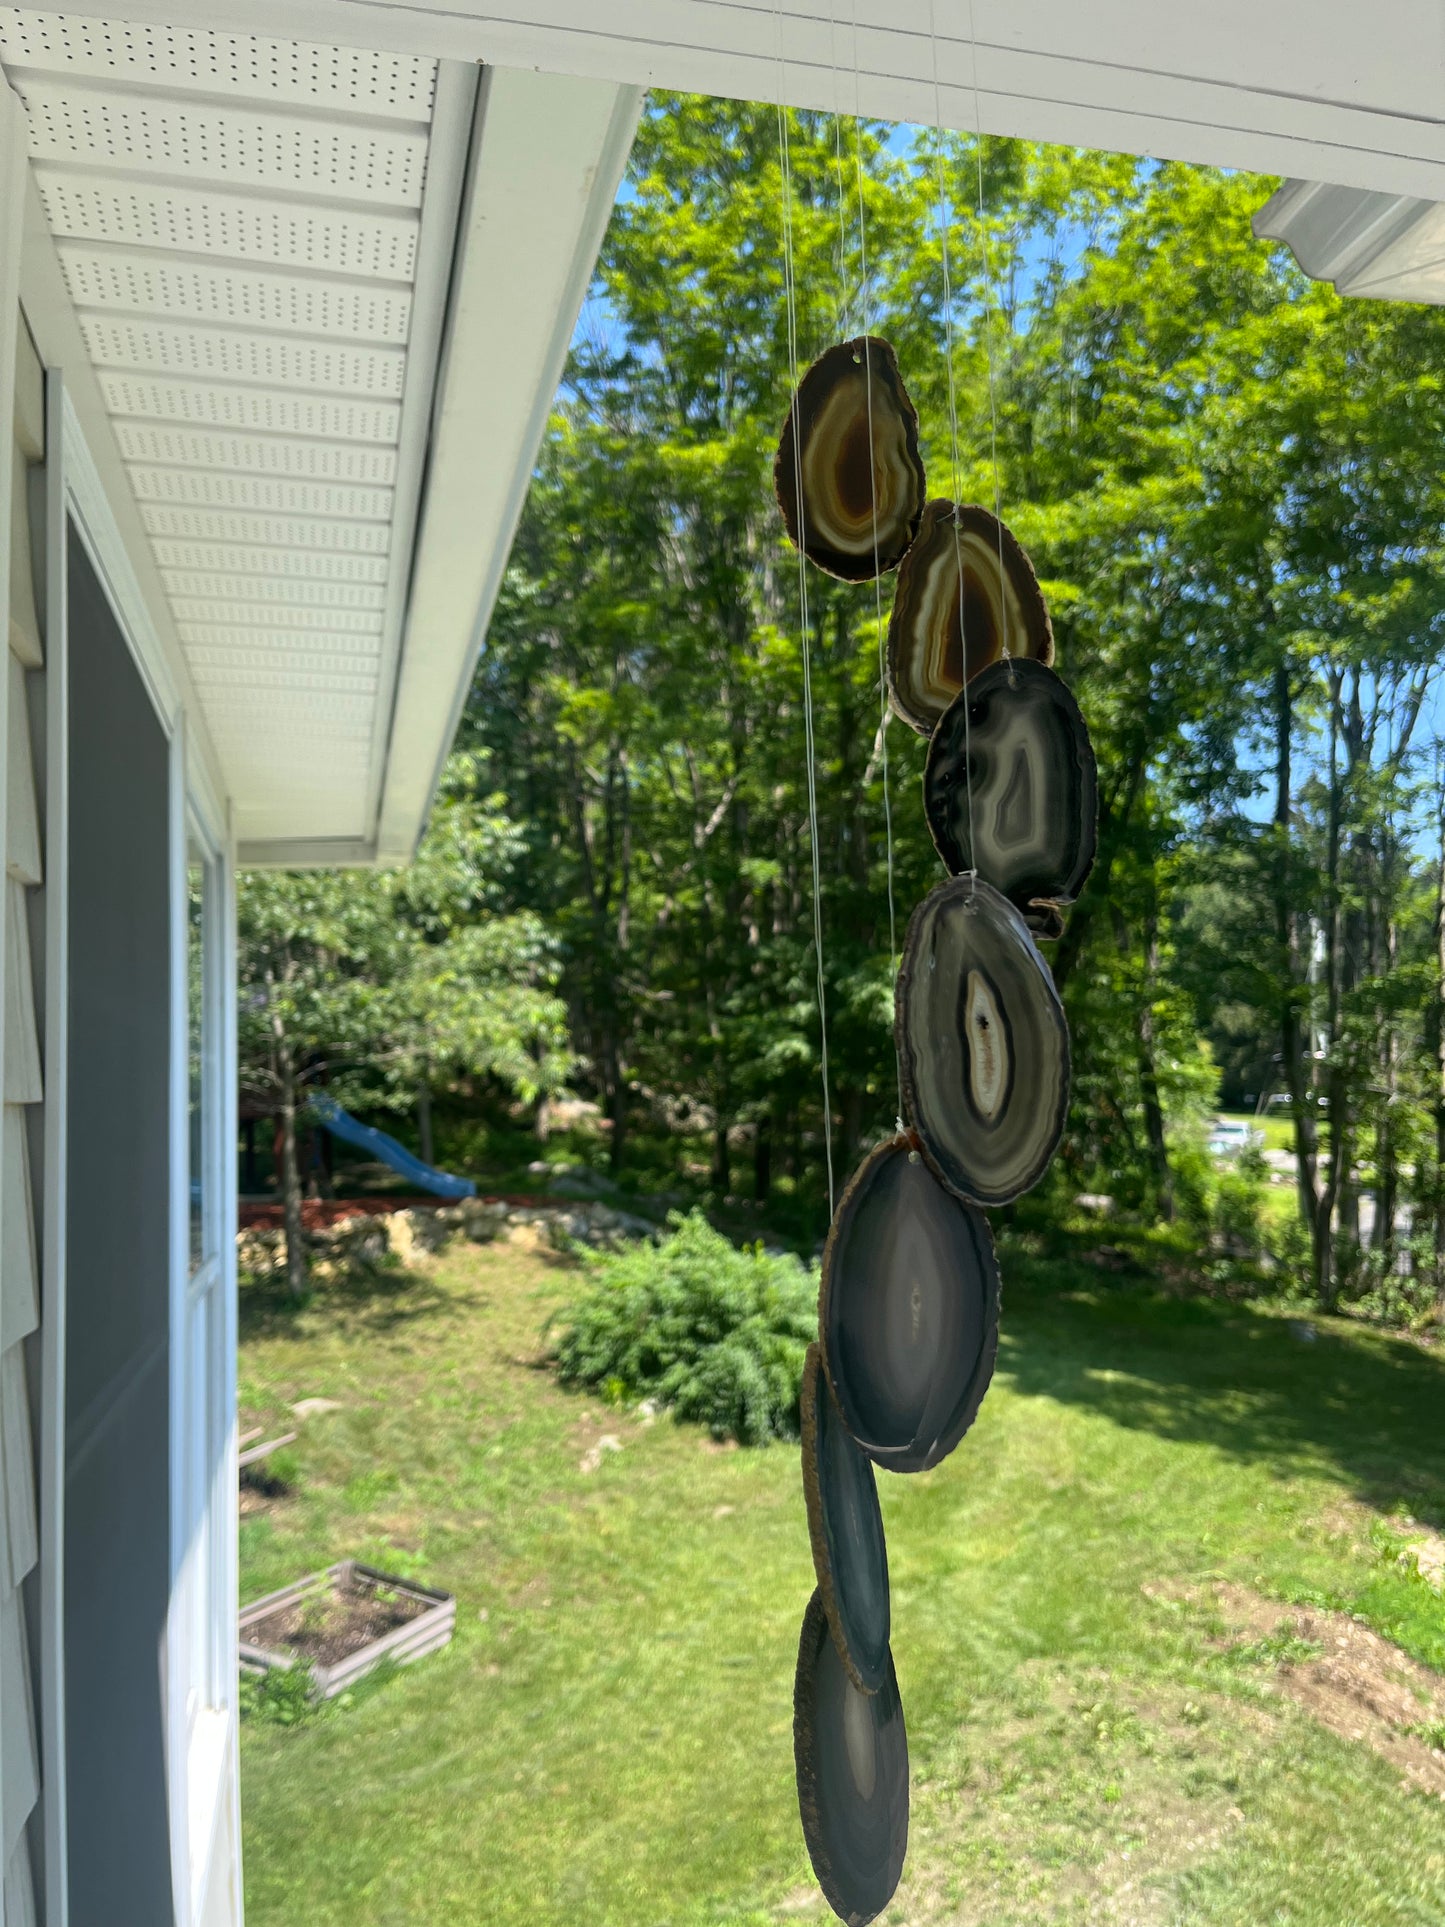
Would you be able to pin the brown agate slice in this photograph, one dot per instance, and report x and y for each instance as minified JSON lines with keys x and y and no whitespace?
{"x":908,"y":1311}
{"x":1014,"y":747}
{"x":933,"y":627}
{"x":851,"y":440}
{"x":851,"y":1755}
{"x":983,"y":1043}
{"x":845,"y":1525}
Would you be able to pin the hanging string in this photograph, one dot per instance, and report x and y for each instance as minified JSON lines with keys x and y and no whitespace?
{"x":988,"y":291}
{"x":944,"y":223}
{"x":790,"y":298}
{"x":884,"y":710}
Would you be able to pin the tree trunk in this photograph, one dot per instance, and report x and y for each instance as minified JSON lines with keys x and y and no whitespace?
{"x":297,"y":1274}
{"x":248,"y":1163}
{"x":722,"y":1172}
{"x":1148,"y":1073}
{"x":423,"y":1123}
{"x":763,"y":1159}
{"x":850,"y":1134}
{"x":1325,"y":1281}
{"x":1294,"y":1034}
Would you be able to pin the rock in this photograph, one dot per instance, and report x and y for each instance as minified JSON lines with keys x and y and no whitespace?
{"x":579,"y":1181}
{"x":594,"y":1455}
{"x":314,"y":1407}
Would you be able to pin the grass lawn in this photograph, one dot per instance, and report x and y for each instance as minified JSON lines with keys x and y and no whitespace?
{"x":607,"y":1743}
{"x":1276,"y":1127}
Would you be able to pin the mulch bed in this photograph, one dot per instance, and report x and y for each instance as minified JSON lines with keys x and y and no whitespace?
{"x":319,"y":1214}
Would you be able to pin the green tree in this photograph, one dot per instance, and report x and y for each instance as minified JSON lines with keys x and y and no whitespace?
{"x":385,"y":985}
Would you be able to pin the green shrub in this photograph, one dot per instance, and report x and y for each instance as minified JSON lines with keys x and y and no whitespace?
{"x":694,"y":1323}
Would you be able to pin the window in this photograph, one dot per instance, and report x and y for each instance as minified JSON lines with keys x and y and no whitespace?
{"x":203,"y":1395}
{"x":200,"y":1070}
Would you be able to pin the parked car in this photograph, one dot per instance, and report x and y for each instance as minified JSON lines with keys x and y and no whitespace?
{"x":1230,"y":1138}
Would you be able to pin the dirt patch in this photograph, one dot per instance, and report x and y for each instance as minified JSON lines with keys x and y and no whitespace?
{"x":329,"y":1626}
{"x":1356,"y":1683}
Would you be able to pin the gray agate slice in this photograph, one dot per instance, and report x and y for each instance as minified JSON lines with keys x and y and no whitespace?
{"x":850,"y":1751}
{"x":908,"y":1310}
{"x":845,"y":1525}
{"x":983,"y":1043}
{"x":1014,"y":745}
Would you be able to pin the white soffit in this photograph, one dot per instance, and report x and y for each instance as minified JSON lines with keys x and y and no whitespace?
{"x":257,"y":235}
{"x":1389,"y":246}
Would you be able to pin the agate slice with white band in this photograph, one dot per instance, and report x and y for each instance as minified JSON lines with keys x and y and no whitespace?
{"x":851,"y":440}
{"x":850,"y":1751}
{"x":1013,"y":749}
{"x":983,"y":1043}
{"x":908,"y":1310}
{"x":938,"y":637}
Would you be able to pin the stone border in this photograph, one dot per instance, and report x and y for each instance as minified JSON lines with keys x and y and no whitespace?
{"x":406,"y":1236}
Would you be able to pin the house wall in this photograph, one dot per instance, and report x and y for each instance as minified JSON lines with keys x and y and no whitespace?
{"x":118,"y":1235}
{"x":118,"y":1798}
{"x":21,"y":1339}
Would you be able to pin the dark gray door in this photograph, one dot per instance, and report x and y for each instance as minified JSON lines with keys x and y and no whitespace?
{"x":117,"y":1444}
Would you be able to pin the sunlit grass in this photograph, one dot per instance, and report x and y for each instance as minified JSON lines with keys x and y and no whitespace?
{"x":608,"y":1738}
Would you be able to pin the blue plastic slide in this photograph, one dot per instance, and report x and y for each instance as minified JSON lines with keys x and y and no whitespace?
{"x":343,"y":1125}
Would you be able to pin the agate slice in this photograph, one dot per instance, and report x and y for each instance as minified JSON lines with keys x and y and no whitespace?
{"x":908,"y":1311}
{"x":845,"y":1525}
{"x":851,"y":1755}
{"x":851,"y":443}
{"x":983,"y":1044}
{"x":941,"y":635}
{"x":1014,"y":748}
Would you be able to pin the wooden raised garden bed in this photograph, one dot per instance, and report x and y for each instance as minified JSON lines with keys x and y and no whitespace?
{"x":342,"y":1623}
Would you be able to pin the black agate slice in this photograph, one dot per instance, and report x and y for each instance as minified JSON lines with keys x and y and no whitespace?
{"x":1014,"y":745}
{"x":851,"y":1755}
{"x":983,"y":1043}
{"x":848,"y":475}
{"x":845,"y":1525}
{"x":908,"y":1310}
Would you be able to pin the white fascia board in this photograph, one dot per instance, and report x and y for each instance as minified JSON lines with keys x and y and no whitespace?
{"x":1389,"y":246}
{"x":305,"y":853}
{"x":1327,"y":90}
{"x":547,"y":159}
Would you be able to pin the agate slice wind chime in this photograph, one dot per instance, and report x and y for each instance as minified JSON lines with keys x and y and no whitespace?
{"x":909,"y":1304}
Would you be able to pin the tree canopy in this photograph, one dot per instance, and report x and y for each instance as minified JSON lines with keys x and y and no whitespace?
{"x":1229,"y":480}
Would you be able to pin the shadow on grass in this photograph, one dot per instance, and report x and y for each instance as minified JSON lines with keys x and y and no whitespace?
{"x":375,"y":1298}
{"x":1297,"y":1394}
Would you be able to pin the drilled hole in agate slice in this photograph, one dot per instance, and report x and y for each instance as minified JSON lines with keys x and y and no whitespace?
{"x":939,"y":638}
{"x":851,"y":441}
{"x":908,"y":1310}
{"x":1013,"y":746}
{"x":845,"y":1525}
{"x":983,"y":1043}
{"x":851,"y":1755}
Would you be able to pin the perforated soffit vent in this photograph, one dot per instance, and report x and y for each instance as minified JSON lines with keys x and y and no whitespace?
{"x":256,"y":234}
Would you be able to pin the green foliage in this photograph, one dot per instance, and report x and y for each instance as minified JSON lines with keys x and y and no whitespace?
{"x":716,"y":1333}
{"x":281,"y":1696}
{"x":1229,"y":480}
{"x":382,"y":981}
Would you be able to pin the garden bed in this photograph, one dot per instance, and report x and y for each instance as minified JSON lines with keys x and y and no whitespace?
{"x":342,"y":1623}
